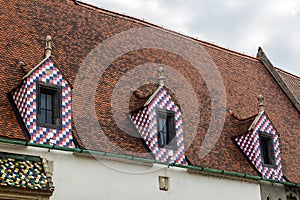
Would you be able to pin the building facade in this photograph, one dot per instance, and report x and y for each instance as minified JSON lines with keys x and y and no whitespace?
{"x":113,"y":107}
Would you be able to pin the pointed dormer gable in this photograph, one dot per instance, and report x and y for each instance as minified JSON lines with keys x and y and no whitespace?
{"x":44,"y":103}
{"x":159,"y":122}
{"x":260,"y":144}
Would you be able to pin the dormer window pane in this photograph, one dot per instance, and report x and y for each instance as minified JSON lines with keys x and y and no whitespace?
{"x":49,"y":101}
{"x":43,"y":100}
{"x":46,"y":107}
{"x":43,"y":116}
{"x":49,"y":118}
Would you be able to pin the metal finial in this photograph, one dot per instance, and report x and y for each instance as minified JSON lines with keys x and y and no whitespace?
{"x":161,"y":76}
{"x":48,"y":46}
{"x":260,"y":99}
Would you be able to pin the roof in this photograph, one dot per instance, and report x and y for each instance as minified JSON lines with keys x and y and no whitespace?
{"x":243,"y":125}
{"x":143,"y":96}
{"x":77,"y":28}
{"x":140,"y":96}
{"x":278,"y":78}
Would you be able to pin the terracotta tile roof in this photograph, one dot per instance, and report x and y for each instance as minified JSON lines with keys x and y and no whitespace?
{"x":292,"y":81}
{"x":140,"y":96}
{"x":76,"y":29}
{"x":242,"y":125}
{"x":22,"y":171}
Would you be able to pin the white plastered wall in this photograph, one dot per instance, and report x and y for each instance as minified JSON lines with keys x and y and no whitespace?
{"x":83,"y":178}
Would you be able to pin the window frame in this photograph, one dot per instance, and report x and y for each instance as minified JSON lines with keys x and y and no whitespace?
{"x":171,"y":136}
{"x":271,"y":153}
{"x":55,"y":91}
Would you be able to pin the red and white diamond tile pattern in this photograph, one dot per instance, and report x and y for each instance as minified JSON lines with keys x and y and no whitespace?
{"x":25,"y":98}
{"x":146,"y":123}
{"x":250,"y":145}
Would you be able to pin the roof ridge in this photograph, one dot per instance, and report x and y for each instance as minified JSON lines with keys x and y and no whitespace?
{"x":137,"y":20}
{"x":37,"y":66}
{"x":153,"y":95}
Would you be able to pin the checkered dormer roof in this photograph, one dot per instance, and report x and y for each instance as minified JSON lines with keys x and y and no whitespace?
{"x":22,"y":172}
{"x":25,"y":98}
{"x":250,"y":145}
{"x":145,"y":121}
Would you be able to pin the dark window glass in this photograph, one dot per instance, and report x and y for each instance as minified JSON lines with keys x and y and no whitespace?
{"x":46,"y":107}
{"x":43,"y":101}
{"x":166,"y":128}
{"x":49,"y":105}
{"x":267,"y":149}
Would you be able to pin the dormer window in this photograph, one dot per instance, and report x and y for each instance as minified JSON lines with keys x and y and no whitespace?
{"x":267,"y":149}
{"x":166,"y":128}
{"x":159,"y":121}
{"x":48,"y":105}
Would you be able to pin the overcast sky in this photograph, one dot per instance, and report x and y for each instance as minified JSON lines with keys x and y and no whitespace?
{"x":240,"y":25}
